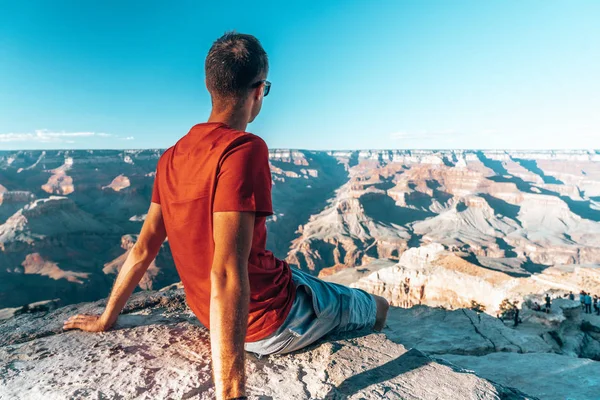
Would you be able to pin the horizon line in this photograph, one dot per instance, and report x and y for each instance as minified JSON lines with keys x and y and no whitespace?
{"x":597,"y":150}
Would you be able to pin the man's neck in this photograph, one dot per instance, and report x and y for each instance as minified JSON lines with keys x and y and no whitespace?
{"x":234,"y":118}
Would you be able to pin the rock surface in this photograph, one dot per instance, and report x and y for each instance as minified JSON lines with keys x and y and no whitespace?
{"x":438,"y":331}
{"x":158,"y":350}
{"x":528,"y":358}
{"x":547,"y":376}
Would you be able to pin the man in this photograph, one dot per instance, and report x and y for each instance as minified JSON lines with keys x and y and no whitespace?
{"x":588,"y":303}
{"x":211,"y":197}
{"x":548,"y":303}
{"x":517,"y":319}
{"x":571,"y":296}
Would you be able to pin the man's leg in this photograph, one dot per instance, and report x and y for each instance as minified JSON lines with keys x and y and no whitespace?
{"x":321,"y":308}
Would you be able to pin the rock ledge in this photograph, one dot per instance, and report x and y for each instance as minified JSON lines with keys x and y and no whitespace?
{"x":158,"y":350}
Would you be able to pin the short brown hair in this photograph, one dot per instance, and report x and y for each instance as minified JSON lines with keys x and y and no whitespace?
{"x":233,"y":62}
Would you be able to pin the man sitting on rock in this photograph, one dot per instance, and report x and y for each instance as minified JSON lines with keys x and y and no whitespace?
{"x":211,"y":197}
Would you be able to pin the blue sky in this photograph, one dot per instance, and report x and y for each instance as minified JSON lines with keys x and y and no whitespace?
{"x":346,"y":74}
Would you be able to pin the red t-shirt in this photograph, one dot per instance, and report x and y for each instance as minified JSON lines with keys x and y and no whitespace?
{"x":215,"y":168}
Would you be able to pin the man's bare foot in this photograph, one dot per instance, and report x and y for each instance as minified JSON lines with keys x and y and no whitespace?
{"x":382,"y":309}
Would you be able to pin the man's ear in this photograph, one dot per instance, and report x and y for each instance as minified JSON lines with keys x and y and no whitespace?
{"x":258,"y":92}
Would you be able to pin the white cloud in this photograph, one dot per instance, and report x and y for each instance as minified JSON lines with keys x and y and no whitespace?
{"x":48,"y":136}
{"x":42,"y":136}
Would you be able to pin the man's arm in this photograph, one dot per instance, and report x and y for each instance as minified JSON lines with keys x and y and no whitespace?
{"x":146,"y":248}
{"x":230,"y":295}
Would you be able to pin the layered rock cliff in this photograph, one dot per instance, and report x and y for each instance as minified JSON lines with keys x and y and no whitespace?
{"x":434,"y":276}
{"x":503,"y":208}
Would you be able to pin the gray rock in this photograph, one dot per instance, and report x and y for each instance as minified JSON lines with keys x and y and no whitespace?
{"x":547,"y":376}
{"x":591,"y":324}
{"x":439,"y":331}
{"x":158,"y":350}
{"x":590,"y":348}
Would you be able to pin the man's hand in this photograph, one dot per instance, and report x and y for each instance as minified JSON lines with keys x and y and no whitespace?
{"x":88,"y":323}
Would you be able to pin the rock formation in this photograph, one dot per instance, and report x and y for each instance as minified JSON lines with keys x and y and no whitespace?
{"x":119,"y":183}
{"x":60,"y":182}
{"x":434,"y":276}
{"x":504,"y":208}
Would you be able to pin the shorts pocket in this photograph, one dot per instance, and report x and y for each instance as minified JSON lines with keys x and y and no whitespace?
{"x":314,"y":300}
{"x":287,"y":342}
{"x":323,"y":294}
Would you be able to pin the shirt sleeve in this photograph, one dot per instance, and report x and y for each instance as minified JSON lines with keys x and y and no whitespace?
{"x":244,"y":178}
{"x":155,"y":193}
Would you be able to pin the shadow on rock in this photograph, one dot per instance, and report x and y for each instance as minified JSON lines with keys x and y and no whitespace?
{"x":410,"y":361}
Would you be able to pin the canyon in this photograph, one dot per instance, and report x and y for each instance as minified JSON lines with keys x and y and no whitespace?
{"x":512,"y":223}
{"x":447,"y":236}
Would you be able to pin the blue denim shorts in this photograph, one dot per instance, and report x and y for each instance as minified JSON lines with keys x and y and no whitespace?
{"x":320,"y":308}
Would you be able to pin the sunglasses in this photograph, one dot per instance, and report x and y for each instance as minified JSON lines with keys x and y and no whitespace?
{"x":267,"y":88}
